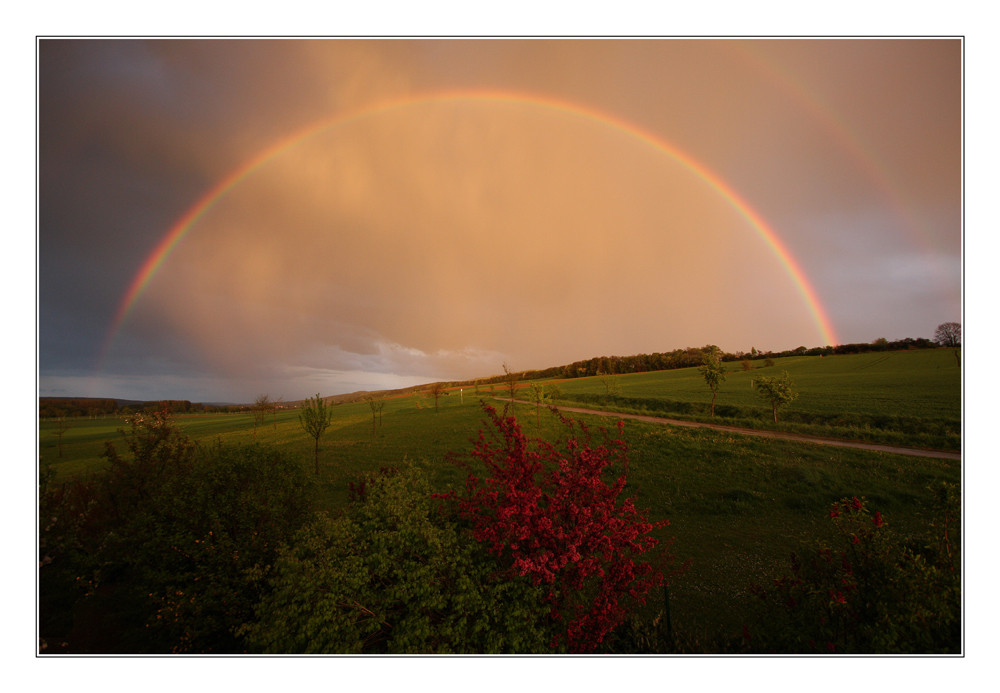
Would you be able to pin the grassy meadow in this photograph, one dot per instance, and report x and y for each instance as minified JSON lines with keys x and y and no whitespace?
{"x":909,"y":398}
{"x":737,"y":505}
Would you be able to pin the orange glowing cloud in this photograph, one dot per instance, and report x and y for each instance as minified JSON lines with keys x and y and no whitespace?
{"x":477,"y":223}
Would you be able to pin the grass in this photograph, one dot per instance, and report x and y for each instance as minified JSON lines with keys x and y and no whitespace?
{"x":737,"y":505}
{"x":901,"y":397}
{"x":411,"y":430}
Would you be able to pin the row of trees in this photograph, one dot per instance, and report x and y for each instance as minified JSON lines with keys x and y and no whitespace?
{"x":59,"y":407}
{"x":947,"y":334}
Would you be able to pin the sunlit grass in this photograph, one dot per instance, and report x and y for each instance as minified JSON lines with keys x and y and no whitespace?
{"x":906,"y":398}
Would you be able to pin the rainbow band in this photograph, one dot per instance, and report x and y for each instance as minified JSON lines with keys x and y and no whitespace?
{"x":177,"y":232}
{"x":848,"y":141}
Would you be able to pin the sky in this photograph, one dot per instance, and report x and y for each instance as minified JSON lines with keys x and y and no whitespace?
{"x":219,"y":219}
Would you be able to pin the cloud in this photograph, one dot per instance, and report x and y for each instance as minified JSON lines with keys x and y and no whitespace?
{"x":454,"y":230}
{"x":439,"y":240}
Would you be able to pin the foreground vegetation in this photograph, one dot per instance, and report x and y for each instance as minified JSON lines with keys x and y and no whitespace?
{"x":218,"y":549}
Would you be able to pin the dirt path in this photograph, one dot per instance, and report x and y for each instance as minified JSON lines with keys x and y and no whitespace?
{"x":836,"y":442}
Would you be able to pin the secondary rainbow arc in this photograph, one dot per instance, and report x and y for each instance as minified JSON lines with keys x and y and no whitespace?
{"x":217,"y":192}
{"x":846,"y":138}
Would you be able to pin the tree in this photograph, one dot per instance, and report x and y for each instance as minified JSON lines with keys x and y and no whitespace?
{"x":315,"y":418}
{"x":777,"y":391}
{"x":62,"y":425}
{"x":612,"y":385}
{"x":261,"y":406}
{"x":948,"y":334}
{"x":714,"y":373}
{"x":538,"y":396}
{"x":554,"y":391}
{"x":275,"y":406}
{"x":376,"y":406}
{"x":435,"y":391}
{"x":509,"y":382}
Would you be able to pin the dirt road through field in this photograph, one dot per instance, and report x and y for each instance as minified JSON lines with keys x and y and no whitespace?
{"x":836,"y":442}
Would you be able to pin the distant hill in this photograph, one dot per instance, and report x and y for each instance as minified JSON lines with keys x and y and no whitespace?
{"x":101,"y":406}
{"x":360,"y":395}
{"x":598,"y":365}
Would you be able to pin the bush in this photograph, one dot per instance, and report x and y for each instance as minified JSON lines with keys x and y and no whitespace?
{"x":393,"y":575}
{"x":82,"y":554}
{"x":170,"y":547}
{"x":209,"y":537}
{"x":869,"y":593}
{"x":548,"y":514}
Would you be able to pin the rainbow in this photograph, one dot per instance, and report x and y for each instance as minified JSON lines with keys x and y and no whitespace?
{"x":847,"y":139}
{"x":217,"y":192}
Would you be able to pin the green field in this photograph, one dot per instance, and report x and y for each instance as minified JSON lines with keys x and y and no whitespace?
{"x":411,"y":430}
{"x":899,"y":397}
{"x":737,"y":505}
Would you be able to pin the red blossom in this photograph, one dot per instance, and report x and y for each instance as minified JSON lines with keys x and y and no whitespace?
{"x":550,"y":513}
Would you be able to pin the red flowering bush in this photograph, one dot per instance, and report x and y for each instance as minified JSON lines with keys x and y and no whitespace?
{"x":554,"y":515}
{"x":868,"y":593}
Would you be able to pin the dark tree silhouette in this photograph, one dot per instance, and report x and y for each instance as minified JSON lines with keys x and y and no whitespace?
{"x":261,"y":406}
{"x":948,"y":334}
{"x":435,"y":391}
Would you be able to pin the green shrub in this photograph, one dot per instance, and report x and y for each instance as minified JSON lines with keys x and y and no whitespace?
{"x":202,"y":546}
{"x":170,"y":547}
{"x":868,"y":593}
{"x":393,"y":575}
